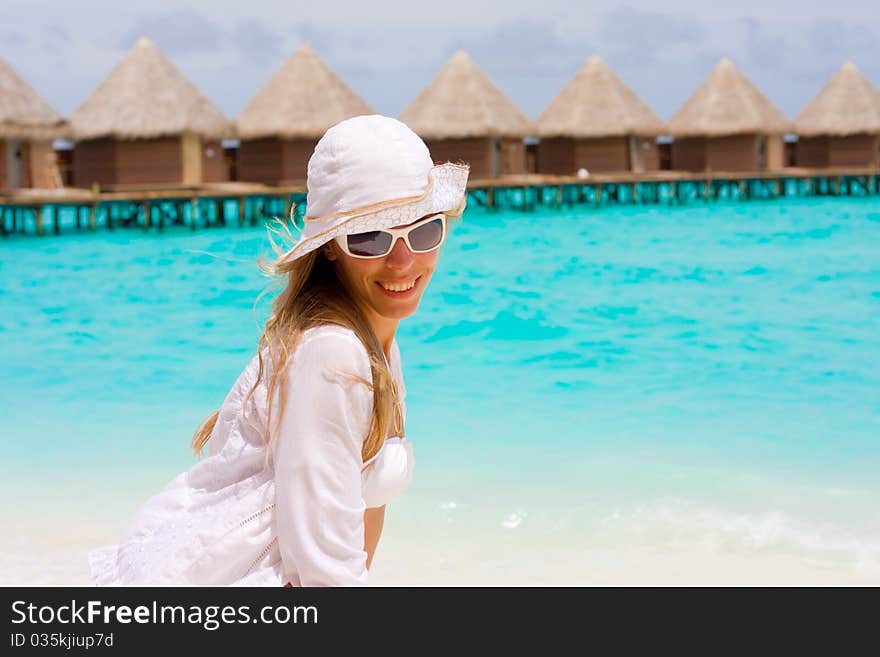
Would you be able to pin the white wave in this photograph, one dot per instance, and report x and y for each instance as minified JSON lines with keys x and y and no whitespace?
{"x":680,"y":523}
{"x":514,"y":519}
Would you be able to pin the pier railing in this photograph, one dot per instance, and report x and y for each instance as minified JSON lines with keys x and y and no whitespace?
{"x":667,"y":187}
{"x":157,"y":207}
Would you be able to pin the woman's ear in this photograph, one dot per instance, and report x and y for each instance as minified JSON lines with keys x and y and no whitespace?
{"x":329,"y":251}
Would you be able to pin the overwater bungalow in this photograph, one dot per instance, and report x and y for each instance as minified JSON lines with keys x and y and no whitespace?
{"x":27,"y":127}
{"x":464,"y":117}
{"x":280,"y":126}
{"x":840,"y":127}
{"x":599,"y":124}
{"x":728,"y":125}
{"x":146,"y":123}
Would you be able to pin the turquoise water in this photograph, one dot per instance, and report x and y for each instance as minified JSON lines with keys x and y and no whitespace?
{"x":703,"y":375}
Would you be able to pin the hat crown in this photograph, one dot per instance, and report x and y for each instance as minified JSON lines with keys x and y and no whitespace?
{"x":363,"y":161}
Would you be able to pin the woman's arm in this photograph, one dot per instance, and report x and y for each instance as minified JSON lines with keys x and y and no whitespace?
{"x":374,"y":519}
{"x":319,"y":504}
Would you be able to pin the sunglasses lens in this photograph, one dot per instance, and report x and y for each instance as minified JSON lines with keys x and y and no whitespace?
{"x":427,"y":236}
{"x":374,"y":243}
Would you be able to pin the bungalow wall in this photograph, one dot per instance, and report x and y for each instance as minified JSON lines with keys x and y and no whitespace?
{"x":259,"y":160}
{"x":727,"y":153}
{"x":27,"y":164}
{"x":94,"y":162}
{"x":127,"y":162}
{"x":565,"y":155}
{"x":859,"y":150}
{"x":555,"y":156}
{"x":148,"y":161}
{"x":513,"y":156}
{"x":295,"y":158}
{"x":43,"y":165}
{"x":4,"y":182}
{"x":24,"y":164}
{"x":775,"y":153}
{"x":274,"y":160}
{"x":644,"y":154}
{"x":214,"y":168}
{"x":664,"y":155}
{"x":156,"y":161}
{"x":15,"y":164}
{"x":602,"y":154}
{"x":689,"y":154}
{"x":531,"y":152}
{"x":854,"y":151}
{"x":732,"y":153}
{"x":475,"y":151}
{"x":790,"y":154}
{"x":812,"y":152}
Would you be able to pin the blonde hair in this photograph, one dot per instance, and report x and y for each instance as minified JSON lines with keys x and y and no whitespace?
{"x":313,"y":296}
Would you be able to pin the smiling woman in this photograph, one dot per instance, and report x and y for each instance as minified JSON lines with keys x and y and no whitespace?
{"x":309,"y":445}
{"x":389,"y":269}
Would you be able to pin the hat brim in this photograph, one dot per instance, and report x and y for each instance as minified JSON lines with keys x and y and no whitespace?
{"x":447,"y":186}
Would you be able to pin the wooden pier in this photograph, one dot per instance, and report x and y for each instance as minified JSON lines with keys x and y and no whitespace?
{"x":155,"y":208}
{"x":669,"y":187}
{"x":148,"y":208}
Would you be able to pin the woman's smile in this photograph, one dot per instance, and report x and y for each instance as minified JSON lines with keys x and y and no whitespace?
{"x":388,"y":288}
{"x":399,"y":289}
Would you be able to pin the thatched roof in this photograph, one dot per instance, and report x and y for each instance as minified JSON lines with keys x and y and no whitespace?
{"x":463,"y":102}
{"x":596,"y":103}
{"x":303,"y":99}
{"x":727,"y":103}
{"x":847,"y":105}
{"x":146,"y":96}
{"x":23,"y":114}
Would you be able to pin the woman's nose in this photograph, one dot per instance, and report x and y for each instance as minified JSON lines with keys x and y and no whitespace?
{"x":400,"y":256}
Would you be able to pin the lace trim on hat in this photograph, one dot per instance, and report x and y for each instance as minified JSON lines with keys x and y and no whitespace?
{"x":392,"y":203}
{"x":305,"y":245}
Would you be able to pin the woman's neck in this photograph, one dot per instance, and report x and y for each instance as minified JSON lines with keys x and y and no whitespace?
{"x":384,"y":329}
{"x":386,"y":334}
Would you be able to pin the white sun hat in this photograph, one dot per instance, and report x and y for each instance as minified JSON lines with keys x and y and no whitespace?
{"x":370,"y":173}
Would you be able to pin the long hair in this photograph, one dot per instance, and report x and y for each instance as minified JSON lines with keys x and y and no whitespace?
{"x":313,"y":296}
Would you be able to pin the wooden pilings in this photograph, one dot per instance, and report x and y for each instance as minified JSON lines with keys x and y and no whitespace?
{"x":705,"y":189}
{"x":157,"y":209}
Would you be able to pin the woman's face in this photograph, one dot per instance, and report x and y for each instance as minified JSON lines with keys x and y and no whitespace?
{"x":390,"y":286}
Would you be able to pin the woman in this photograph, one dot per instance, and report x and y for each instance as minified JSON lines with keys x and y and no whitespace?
{"x":309,"y":446}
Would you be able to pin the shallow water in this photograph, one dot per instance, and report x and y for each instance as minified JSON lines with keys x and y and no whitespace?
{"x":691,"y":385}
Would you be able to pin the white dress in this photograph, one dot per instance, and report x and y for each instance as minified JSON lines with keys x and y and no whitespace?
{"x":246,"y":515}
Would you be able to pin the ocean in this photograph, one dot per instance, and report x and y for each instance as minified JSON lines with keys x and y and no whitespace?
{"x":625,"y":395}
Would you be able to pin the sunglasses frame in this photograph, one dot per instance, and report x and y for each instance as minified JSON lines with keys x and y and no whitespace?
{"x":397,"y":234}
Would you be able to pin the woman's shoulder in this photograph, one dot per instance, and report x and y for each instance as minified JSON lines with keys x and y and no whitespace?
{"x":331,"y":345}
{"x":330,"y":336}
{"x":330,"y":332}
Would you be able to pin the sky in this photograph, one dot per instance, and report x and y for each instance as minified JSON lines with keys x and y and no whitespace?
{"x":388,"y":50}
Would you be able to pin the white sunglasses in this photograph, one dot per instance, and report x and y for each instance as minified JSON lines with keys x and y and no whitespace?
{"x":424,"y":236}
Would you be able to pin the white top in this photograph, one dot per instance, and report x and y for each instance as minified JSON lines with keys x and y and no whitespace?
{"x":295,"y":513}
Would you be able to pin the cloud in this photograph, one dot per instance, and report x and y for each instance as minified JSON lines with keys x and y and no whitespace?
{"x":631,"y":36}
{"x":176,"y":33}
{"x":14,"y":38}
{"x":256,"y":43}
{"x":57,"y":42}
{"x":524,"y":47}
{"x":762,"y":48}
{"x":59,"y":35}
{"x":320,"y":40}
{"x":529,"y":59}
{"x":835,"y":38}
